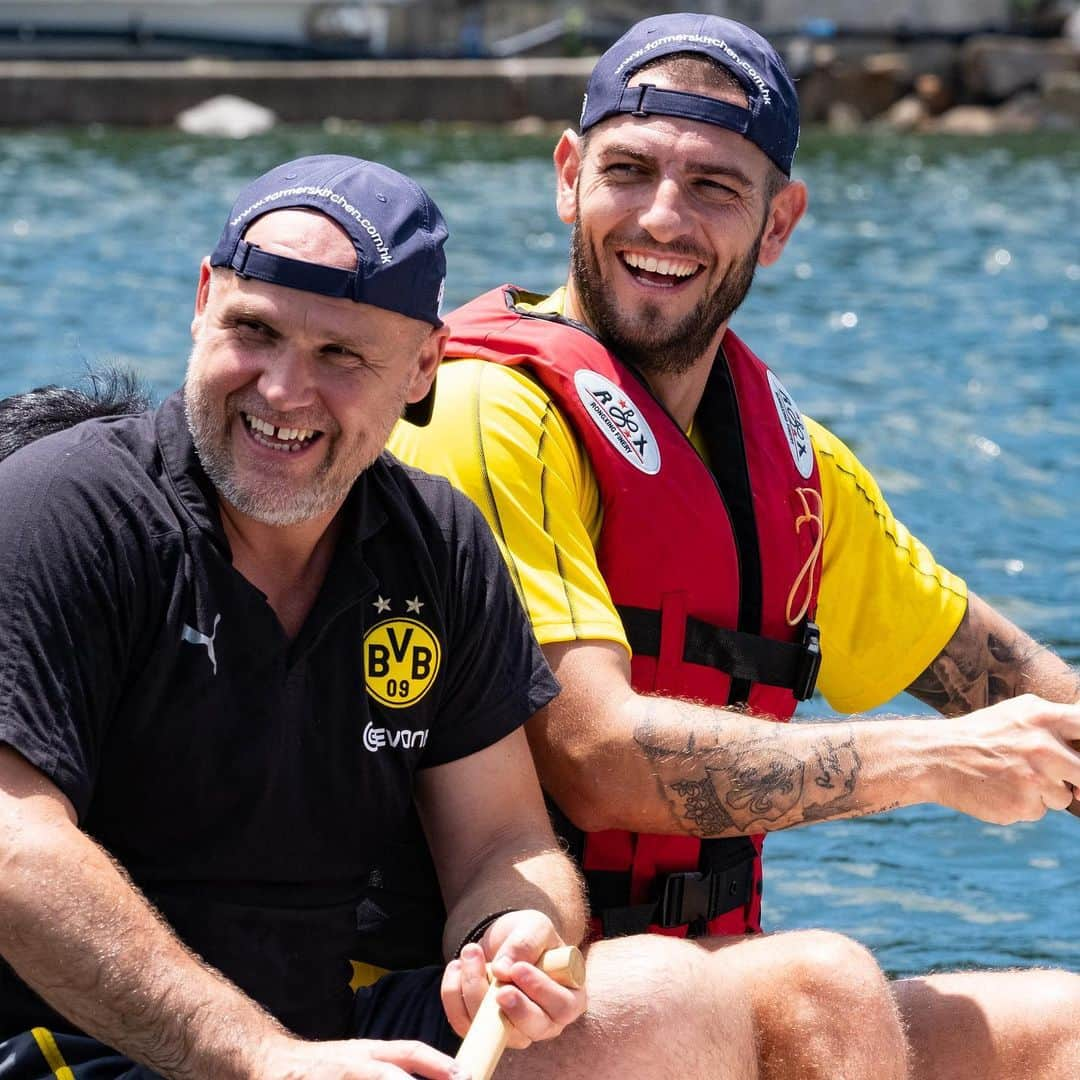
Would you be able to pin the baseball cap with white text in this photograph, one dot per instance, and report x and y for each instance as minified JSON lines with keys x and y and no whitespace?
{"x":396,"y":228}
{"x":771,"y":117}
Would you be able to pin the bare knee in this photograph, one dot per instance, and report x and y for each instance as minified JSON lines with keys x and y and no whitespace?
{"x":1054,"y":995}
{"x":993,"y":1024}
{"x":653,"y":1011}
{"x":822,"y":1007}
{"x":1017,"y":1004}
{"x":658,"y":980}
{"x":817,"y":971}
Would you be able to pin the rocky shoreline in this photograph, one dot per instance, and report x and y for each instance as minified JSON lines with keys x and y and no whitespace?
{"x":985,"y":84}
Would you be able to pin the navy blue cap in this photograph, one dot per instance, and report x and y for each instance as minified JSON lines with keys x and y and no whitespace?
{"x":771,"y":118}
{"x":398,"y":233}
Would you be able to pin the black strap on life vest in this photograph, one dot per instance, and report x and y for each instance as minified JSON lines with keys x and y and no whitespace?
{"x":721,"y":430}
{"x":723,"y":882}
{"x":792,"y":665}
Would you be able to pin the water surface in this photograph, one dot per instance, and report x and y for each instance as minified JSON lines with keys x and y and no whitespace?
{"x":928,"y":310}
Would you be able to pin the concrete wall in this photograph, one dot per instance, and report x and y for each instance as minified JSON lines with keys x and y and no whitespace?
{"x":374,"y":91}
{"x":839,"y":83}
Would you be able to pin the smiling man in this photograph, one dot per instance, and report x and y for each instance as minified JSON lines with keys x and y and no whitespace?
{"x":690,"y":550}
{"x":242,"y":650}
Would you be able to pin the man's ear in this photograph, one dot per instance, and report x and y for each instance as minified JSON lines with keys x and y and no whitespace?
{"x":427,"y":363}
{"x":788,"y":206}
{"x":567,"y":165}
{"x":202,"y":294}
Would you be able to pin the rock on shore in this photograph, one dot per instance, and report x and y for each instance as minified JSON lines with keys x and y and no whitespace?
{"x":989,"y":84}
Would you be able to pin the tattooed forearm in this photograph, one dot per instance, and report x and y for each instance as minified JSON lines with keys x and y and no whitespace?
{"x":763,"y":786}
{"x":718,"y":781}
{"x":657,"y":737}
{"x":702,"y":808}
{"x":989,"y":659}
{"x":838,"y":765}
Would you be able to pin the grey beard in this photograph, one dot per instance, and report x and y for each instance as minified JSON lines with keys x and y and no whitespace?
{"x":269,"y":503}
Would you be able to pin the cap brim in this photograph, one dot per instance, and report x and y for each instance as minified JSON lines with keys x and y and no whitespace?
{"x":419,"y":412}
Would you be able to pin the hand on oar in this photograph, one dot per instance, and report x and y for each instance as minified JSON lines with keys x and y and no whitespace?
{"x":490,"y":1029}
{"x":526,"y":1003}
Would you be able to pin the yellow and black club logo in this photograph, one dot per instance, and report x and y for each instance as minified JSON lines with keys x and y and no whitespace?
{"x":401,"y":660}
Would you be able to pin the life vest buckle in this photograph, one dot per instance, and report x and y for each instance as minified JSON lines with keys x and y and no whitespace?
{"x":692,"y":896}
{"x":809,"y":663}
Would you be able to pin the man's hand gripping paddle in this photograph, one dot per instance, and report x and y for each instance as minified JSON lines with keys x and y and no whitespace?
{"x":486,"y":1039}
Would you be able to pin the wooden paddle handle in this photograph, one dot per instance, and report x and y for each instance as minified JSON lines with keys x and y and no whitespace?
{"x":486,"y":1039}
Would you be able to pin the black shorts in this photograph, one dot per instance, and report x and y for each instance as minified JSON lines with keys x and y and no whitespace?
{"x":405,"y":1005}
{"x":401,"y":1005}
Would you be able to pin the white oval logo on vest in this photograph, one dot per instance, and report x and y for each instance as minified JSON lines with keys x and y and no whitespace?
{"x":792,"y":422}
{"x":619,"y":419}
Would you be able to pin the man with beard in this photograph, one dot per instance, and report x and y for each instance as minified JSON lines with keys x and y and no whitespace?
{"x":241,"y":649}
{"x":690,"y":550}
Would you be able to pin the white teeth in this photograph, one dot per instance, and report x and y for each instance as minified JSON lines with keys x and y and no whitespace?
{"x":668,"y":267}
{"x":282,"y":434}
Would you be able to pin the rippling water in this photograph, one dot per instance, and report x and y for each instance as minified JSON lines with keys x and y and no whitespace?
{"x":928,"y":310}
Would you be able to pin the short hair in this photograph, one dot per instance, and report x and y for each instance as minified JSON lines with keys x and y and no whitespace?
{"x":26,"y":417}
{"x":692,"y":70}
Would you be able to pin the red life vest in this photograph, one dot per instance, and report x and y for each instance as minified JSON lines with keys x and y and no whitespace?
{"x":710,"y":613}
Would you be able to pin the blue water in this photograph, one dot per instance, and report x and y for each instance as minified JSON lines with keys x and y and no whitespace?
{"x":928,"y":310}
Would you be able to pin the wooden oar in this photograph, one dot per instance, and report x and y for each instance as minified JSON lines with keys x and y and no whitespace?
{"x":486,"y":1038}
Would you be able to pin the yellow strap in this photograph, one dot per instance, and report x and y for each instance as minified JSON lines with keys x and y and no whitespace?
{"x":51,"y":1052}
{"x":365,"y":974}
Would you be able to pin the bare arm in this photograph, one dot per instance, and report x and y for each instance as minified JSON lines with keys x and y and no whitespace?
{"x":613,"y":758}
{"x":989,"y":660}
{"x":492,"y":843}
{"x":494,"y":851}
{"x":76,"y":930}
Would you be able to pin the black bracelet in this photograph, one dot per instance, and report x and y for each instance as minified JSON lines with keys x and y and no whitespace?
{"x":477,"y":932}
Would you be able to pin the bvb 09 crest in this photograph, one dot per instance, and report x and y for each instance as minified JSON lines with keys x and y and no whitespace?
{"x":401,"y":660}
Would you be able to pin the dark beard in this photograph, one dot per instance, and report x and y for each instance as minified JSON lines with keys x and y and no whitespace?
{"x":670,"y":353}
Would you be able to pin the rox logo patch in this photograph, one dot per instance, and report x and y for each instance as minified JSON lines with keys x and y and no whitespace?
{"x":802,"y":453}
{"x":401,"y":660}
{"x":619,"y":419}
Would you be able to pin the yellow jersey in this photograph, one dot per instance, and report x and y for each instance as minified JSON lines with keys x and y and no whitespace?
{"x":885,"y":607}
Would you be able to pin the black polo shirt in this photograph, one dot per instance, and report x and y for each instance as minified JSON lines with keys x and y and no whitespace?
{"x":250,"y":784}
